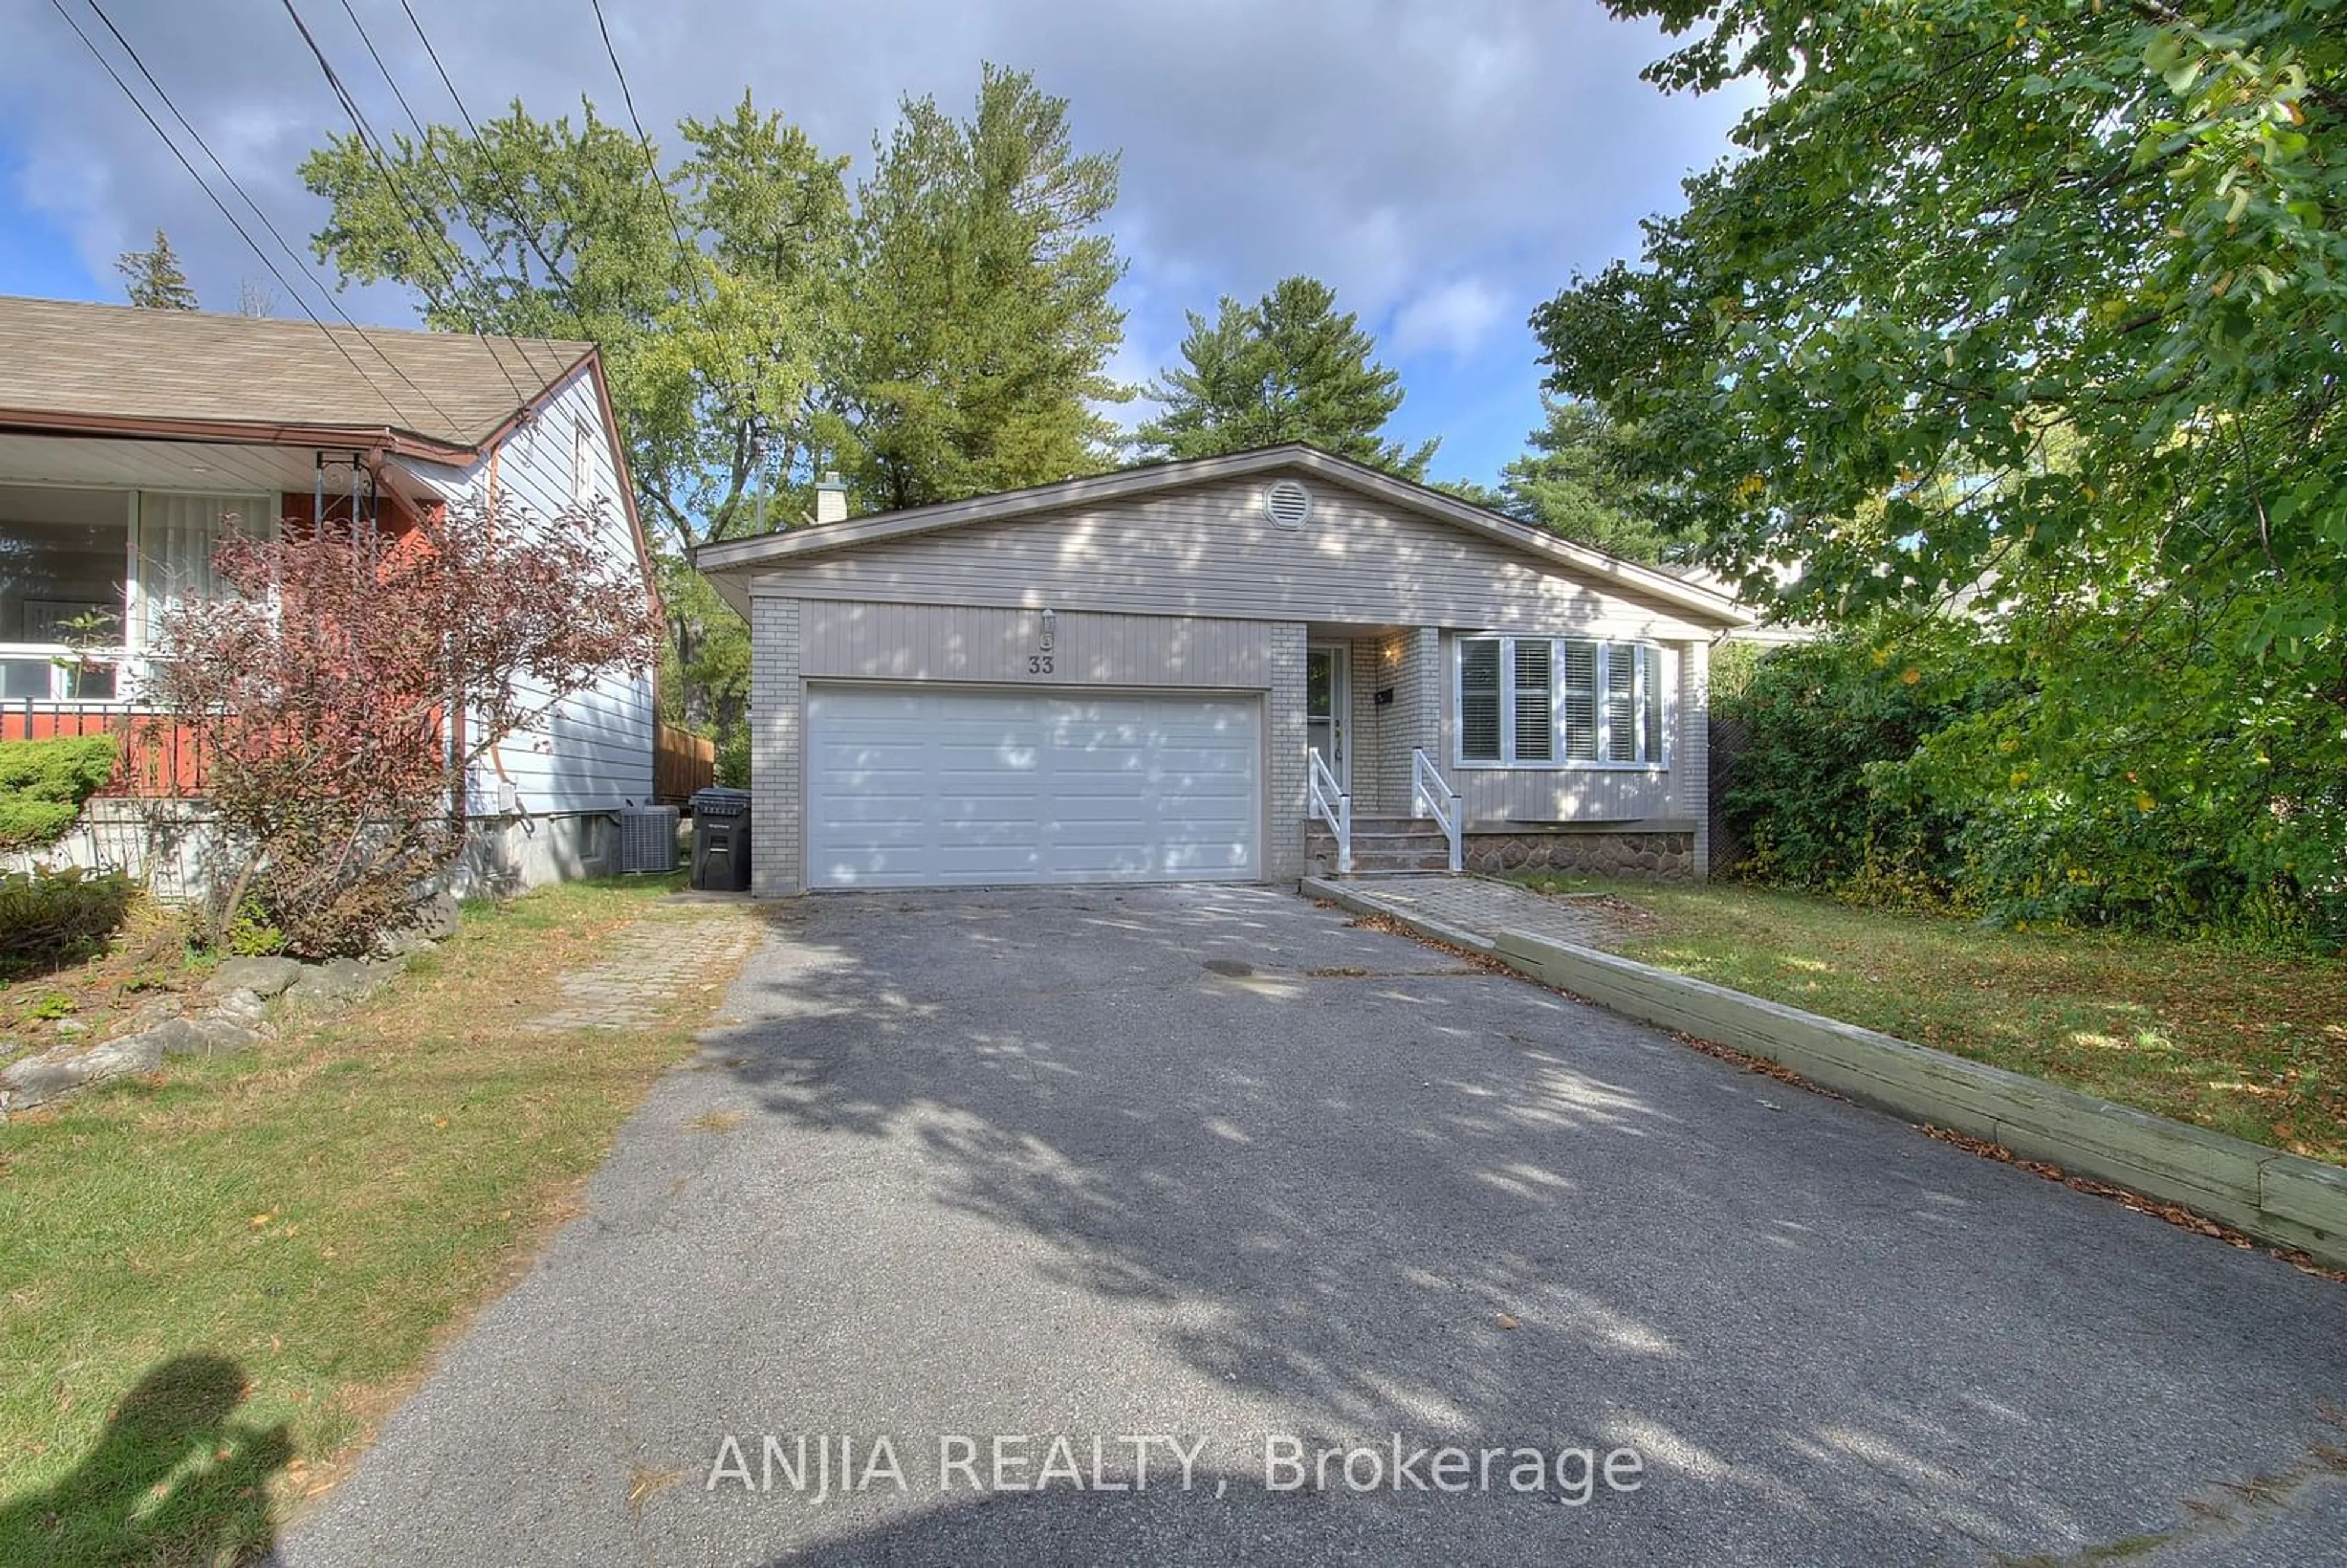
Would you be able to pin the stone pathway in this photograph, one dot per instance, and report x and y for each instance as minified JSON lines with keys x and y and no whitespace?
{"x":1478,"y":905}
{"x":685,"y":944}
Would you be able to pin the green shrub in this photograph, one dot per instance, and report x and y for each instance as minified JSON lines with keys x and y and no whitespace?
{"x":1822,"y":719}
{"x":52,"y":918}
{"x":734,"y":758}
{"x":43,"y":784}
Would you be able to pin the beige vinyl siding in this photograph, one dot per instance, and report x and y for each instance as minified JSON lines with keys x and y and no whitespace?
{"x":848,"y":640}
{"x":1211,"y":551}
{"x":595,"y":752}
{"x":1577,"y":792}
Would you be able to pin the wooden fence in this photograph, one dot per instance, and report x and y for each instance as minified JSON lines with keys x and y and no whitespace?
{"x":682,"y":762}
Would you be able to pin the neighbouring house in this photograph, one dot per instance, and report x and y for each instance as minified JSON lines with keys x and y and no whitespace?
{"x":1229,"y":668}
{"x":131,"y":441}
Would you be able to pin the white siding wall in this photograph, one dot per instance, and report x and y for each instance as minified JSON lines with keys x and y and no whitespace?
{"x":1211,"y":551}
{"x":595,"y":751}
{"x":1692,"y":766}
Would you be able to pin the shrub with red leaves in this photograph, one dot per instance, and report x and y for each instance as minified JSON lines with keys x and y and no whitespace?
{"x":322,"y":687}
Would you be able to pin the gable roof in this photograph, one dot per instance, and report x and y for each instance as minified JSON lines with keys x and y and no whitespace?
{"x":68,"y":366}
{"x":742,"y":557}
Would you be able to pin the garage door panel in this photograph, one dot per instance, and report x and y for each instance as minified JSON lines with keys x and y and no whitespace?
{"x":946,"y":788}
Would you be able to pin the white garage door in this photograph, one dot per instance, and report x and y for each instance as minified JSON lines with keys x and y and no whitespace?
{"x":936,"y":789}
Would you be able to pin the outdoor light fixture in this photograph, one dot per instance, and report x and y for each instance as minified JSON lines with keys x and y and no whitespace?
{"x":1050,"y":627}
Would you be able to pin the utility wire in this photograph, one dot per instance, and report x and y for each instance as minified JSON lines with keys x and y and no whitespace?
{"x":234,"y":223}
{"x":423,"y":140}
{"x":452,"y":259}
{"x":685,"y":252}
{"x":512,"y":196}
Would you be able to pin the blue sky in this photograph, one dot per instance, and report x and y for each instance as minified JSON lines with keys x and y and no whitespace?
{"x":1444,"y":164}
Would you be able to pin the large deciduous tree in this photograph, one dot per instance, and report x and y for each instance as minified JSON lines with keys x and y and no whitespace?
{"x":1289,"y":367}
{"x":156,"y":280}
{"x":711,"y":287}
{"x":974,"y":347}
{"x":2041,"y":314}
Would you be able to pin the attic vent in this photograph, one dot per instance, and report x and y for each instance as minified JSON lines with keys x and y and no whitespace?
{"x":1288,"y":503}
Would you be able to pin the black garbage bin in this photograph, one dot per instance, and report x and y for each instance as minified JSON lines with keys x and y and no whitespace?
{"x":720,"y":839}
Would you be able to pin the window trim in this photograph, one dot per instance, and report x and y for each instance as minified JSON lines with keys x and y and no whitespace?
{"x":1647,"y":668}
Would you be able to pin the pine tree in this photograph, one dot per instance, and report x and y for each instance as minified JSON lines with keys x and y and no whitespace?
{"x":978,"y":328}
{"x":1574,"y":482}
{"x":157,"y":283}
{"x":1290,"y":367}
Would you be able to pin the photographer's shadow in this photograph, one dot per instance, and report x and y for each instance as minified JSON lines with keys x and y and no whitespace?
{"x":122,"y":1503}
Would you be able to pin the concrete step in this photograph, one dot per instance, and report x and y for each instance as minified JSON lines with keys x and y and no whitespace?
{"x":1395,"y":844}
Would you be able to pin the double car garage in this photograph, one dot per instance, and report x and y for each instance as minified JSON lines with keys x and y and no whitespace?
{"x":934,"y":786}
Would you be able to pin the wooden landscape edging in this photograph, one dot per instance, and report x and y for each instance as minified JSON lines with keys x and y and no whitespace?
{"x":2280,"y":1198}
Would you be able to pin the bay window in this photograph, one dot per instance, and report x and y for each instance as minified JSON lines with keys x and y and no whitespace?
{"x":1559,"y":702}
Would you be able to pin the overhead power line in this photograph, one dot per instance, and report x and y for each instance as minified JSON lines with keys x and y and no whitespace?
{"x":685,"y":251}
{"x":505,"y":186}
{"x":424,"y":142}
{"x":418,"y":222}
{"x":234,"y":223}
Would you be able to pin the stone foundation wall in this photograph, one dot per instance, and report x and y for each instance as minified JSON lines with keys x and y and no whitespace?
{"x":1644,"y":856}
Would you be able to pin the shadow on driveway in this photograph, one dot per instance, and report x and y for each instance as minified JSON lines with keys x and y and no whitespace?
{"x":1212,"y":1162}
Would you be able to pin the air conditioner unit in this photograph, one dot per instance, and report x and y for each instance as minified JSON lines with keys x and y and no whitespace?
{"x":646,"y":838}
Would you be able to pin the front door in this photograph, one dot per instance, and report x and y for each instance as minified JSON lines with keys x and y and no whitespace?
{"x":1327,"y":716}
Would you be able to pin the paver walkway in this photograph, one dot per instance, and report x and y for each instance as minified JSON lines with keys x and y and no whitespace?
{"x":671,"y":950}
{"x":1478,"y":905}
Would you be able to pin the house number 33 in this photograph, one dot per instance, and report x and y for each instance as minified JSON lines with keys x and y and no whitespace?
{"x":1039,"y":664}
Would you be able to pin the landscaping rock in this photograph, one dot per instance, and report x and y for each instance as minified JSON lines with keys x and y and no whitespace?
{"x":211,"y":1035}
{"x":334,"y":983}
{"x":241,"y":1007}
{"x":54,"y":1074}
{"x":400,"y":944}
{"x":262,"y":977}
{"x":436,"y":917}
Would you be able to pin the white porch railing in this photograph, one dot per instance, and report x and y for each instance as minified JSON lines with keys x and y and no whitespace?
{"x":1427,"y":789}
{"x":1332,"y":805}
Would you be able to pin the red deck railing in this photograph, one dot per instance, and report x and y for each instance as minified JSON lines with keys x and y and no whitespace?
{"x":159,"y":755}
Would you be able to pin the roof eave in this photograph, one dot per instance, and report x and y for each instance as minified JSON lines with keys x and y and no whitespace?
{"x":251,"y":433}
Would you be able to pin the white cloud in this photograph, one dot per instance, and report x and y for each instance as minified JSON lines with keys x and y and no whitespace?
{"x":1456,"y":318}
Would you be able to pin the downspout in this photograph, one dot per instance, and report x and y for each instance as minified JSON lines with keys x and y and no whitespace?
{"x":459,"y":799}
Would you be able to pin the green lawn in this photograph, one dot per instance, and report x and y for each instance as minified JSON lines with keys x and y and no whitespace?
{"x":215,"y":1281}
{"x":2250,"y":1045}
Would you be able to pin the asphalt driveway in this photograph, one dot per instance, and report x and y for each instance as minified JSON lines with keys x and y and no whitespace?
{"x":1193,"y":1176}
